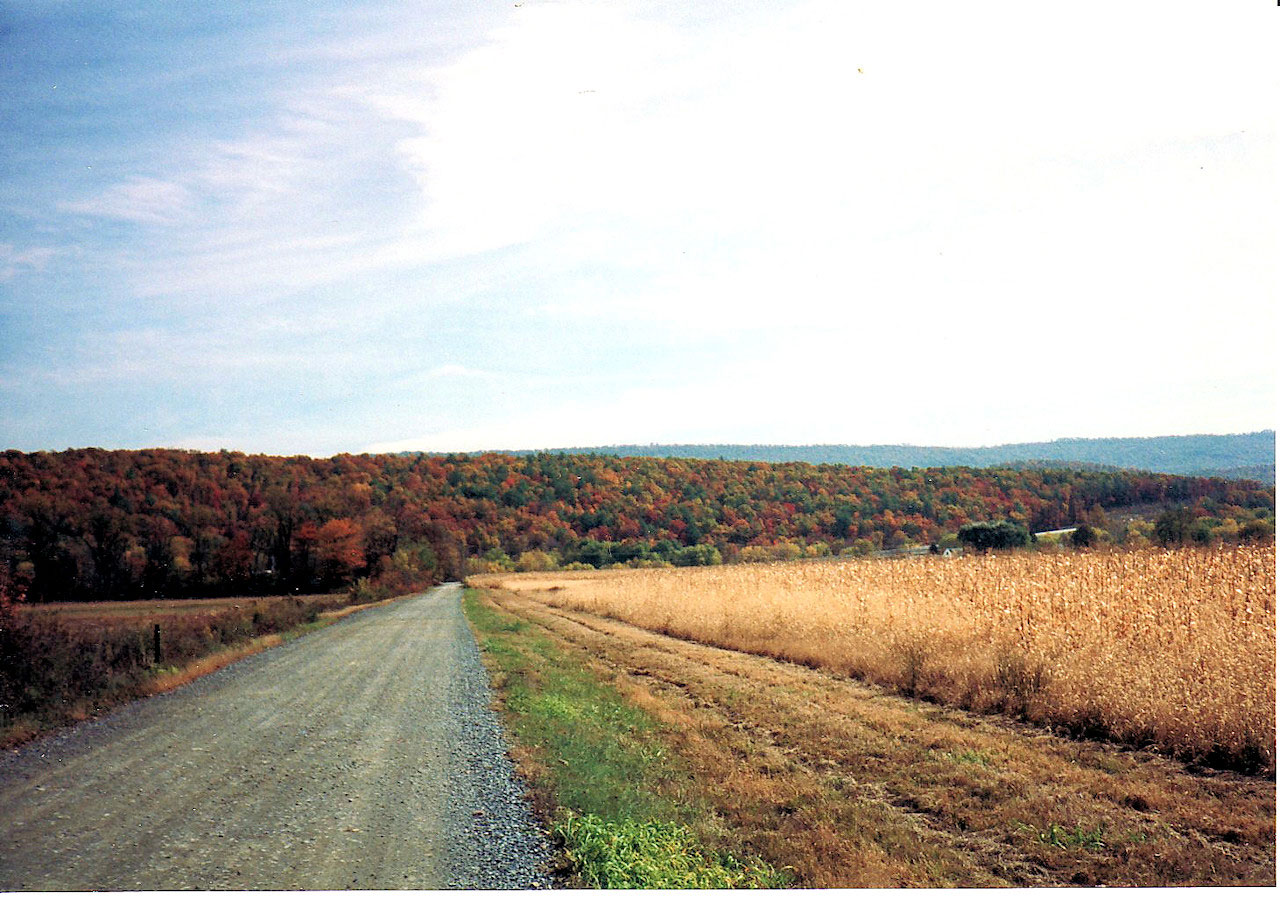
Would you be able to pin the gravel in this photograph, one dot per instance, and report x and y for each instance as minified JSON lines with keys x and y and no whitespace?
{"x":362,"y":756}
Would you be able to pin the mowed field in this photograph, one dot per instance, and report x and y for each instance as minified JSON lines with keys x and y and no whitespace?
{"x":1032,"y":719}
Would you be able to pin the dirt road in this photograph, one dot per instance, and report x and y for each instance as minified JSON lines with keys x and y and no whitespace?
{"x":361,"y":756}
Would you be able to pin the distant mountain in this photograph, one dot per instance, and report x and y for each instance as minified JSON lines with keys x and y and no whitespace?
{"x":1266,"y":474}
{"x":1250,"y":456}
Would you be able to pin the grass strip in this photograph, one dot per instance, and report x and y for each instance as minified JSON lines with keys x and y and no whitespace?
{"x":617,"y":799}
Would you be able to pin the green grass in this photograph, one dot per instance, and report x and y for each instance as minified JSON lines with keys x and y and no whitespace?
{"x":617,"y":796}
{"x":629,"y":854}
{"x":971,"y":757}
{"x":1075,"y":838}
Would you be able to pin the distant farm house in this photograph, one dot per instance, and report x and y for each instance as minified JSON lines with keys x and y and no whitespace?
{"x":898,"y":552}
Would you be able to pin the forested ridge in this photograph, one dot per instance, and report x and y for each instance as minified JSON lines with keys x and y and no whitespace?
{"x":93,"y":524}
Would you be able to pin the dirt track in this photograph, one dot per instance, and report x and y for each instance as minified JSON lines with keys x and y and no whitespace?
{"x":362,"y":756}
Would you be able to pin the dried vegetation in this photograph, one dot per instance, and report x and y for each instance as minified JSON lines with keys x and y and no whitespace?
{"x":61,"y":663}
{"x":845,"y":784}
{"x":1172,"y":650}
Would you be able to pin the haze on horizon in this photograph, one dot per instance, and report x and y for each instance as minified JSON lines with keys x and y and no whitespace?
{"x":359,"y":226}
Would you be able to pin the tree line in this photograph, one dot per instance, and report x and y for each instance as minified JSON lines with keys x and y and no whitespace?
{"x":93,"y":524}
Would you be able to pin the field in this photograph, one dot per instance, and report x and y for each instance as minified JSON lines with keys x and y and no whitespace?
{"x":773,"y":772}
{"x":1169,"y":650}
{"x":74,"y":614}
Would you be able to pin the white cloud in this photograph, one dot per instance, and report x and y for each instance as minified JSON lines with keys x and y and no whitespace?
{"x":765,"y":140}
{"x":228,"y":349}
{"x":453,"y":370}
{"x":606,"y":135}
{"x":814,"y":200}
{"x":308,"y":194}
{"x":555,"y":425}
{"x":15,"y":261}
{"x":141,"y":200}
{"x":822,"y":393}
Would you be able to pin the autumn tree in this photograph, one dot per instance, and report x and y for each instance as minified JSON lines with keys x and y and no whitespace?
{"x":339,"y":550}
{"x":91,"y":524}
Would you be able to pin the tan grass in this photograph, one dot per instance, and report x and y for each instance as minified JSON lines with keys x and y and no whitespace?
{"x":169,"y":679}
{"x":119,"y":610}
{"x":1173,"y":649}
{"x":851,"y":786}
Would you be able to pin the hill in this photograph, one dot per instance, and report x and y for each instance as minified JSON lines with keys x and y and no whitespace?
{"x":98,"y":524}
{"x":1224,"y":455}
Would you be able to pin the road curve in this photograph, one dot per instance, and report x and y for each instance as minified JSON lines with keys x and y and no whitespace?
{"x":363,"y":756}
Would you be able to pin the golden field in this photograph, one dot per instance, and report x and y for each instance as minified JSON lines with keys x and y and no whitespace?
{"x":1168,"y":649}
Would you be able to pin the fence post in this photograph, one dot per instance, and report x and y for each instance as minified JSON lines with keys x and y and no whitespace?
{"x":156,"y":643}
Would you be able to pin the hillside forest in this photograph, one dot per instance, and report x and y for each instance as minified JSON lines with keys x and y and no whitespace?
{"x":93,"y":524}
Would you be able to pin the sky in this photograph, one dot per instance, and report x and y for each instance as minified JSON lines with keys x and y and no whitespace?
{"x":377,"y":226}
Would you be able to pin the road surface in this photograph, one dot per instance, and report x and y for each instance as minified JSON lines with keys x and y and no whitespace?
{"x":362,"y":756}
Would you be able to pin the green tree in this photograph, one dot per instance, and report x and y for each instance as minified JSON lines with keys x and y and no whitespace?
{"x":697,"y":555}
{"x":1174,"y":525}
{"x":1002,"y":535}
{"x":1083,"y":537}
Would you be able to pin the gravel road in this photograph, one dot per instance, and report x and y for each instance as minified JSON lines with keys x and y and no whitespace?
{"x":363,"y":756}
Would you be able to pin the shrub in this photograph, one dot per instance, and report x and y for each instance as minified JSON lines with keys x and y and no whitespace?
{"x":51,"y":670}
{"x":1084,"y":536}
{"x":535,"y":561}
{"x":698,"y":555}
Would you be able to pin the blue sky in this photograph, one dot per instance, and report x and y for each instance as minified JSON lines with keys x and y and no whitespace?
{"x":348,"y":226}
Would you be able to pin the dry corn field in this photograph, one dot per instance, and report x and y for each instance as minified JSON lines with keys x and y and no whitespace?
{"x":1173,"y":650}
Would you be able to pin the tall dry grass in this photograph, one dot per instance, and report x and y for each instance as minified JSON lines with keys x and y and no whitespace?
{"x":1173,"y":649}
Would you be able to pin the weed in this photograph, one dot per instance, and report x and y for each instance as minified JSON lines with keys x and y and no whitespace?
{"x":913,"y":656}
{"x":56,"y":667}
{"x":1076,"y":838}
{"x":970,"y":757}
{"x":630,"y":854}
{"x":1018,"y":678}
